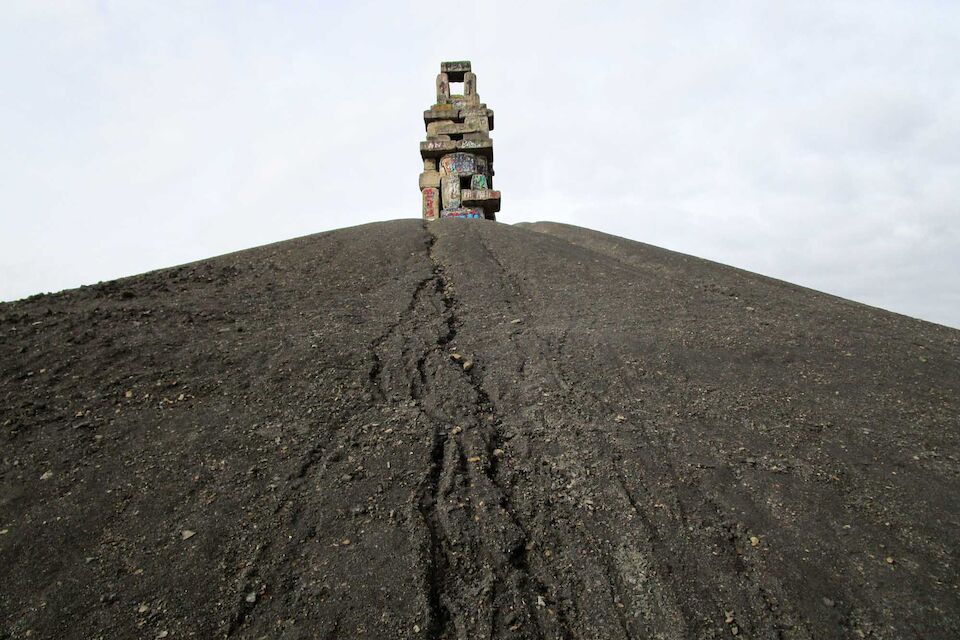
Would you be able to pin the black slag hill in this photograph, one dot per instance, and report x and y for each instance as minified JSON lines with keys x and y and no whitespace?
{"x":473,"y":430}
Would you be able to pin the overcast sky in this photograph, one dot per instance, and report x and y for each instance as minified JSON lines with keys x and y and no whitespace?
{"x":814,"y":142}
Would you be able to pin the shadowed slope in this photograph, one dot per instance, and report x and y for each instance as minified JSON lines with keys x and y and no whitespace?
{"x":626,"y":442}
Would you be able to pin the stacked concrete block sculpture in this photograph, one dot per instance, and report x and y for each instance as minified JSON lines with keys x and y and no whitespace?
{"x":457,"y":178}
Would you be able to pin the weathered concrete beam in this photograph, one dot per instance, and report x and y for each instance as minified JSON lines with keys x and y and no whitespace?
{"x":430,"y":179}
{"x":459,"y":164}
{"x":470,"y":84}
{"x":438,"y":148}
{"x":449,"y":112}
{"x":431,"y":203}
{"x":488,"y":199}
{"x":455,"y":69}
{"x":447,"y":127}
{"x":463,"y":212}
{"x":450,"y":191}
{"x":443,"y":89}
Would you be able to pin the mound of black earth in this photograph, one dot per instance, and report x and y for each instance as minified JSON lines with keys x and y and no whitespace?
{"x":471,"y":430}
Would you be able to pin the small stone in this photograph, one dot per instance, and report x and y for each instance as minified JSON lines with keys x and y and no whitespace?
{"x":346,"y":477}
{"x":251,"y":597}
{"x":345,"y":541}
{"x":180,"y":397}
{"x":541,"y":602}
{"x":468,"y":365}
{"x":455,"y":430}
{"x":456,"y":357}
{"x":828,"y":602}
{"x":129,"y":394}
{"x":619,"y":418}
{"x":163,"y":634}
{"x":890,"y":560}
{"x":416,"y":628}
{"x":498,"y":453}
{"x":4,"y":532}
{"x":143,"y":608}
{"x":728,"y":617}
{"x":516,"y":321}
{"x":754,"y":541}
{"x":186,"y":534}
{"x":46,"y":475}
{"x":474,"y":459}
{"x":735,"y":630}
{"x":547,"y":553}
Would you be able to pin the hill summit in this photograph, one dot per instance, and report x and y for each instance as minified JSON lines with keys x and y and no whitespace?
{"x":473,"y":430}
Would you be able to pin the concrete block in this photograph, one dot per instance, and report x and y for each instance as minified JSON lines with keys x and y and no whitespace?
{"x":463,"y":212}
{"x":450,"y":191}
{"x":430,"y":179}
{"x":455,"y":70}
{"x":458,"y":164}
{"x":437,"y":126}
{"x":469,"y":84}
{"x":441,"y":138}
{"x":476,"y":135}
{"x":477,"y":181}
{"x":477,"y":123}
{"x":443,"y":88}
{"x":431,"y":203}
{"x":488,"y":199}
{"x":430,"y":164}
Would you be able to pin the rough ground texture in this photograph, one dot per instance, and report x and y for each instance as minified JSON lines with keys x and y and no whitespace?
{"x":473,"y":430}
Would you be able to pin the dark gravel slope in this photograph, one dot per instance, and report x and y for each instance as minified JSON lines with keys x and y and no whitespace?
{"x":474,"y":431}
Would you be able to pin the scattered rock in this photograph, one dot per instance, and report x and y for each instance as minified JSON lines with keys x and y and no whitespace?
{"x":498,"y":453}
{"x":46,"y":475}
{"x":728,"y":617}
{"x":828,"y":602}
{"x":890,"y":560}
{"x":754,"y":541}
{"x":251,"y":597}
{"x":541,"y":602}
{"x":474,"y":459}
{"x":619,"y":418}
{"x":143,"y":608}
{"x":468,"y":365}
{"x":516,"y":321}
{"x":128,"y":393}
{"x":456,"y":357}
{"x":416,"y":628}
{"x":455,"y":430}
{"x":186,"y":534}
{"x":345,"y":541}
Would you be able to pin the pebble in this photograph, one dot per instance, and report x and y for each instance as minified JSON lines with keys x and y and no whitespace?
{"x":46,"y":475}
{"x":728,"y":617}
{"x":456,"y":357}
{"x":251,"y":597}
{"x":455,"y":430}
{"x":416,"y":628}
{"x":890,"y":560}
{"x":516,"y":321}
{"x":143,"y":608}
{"x":186,"y":534}
{"x":468,"y":365}
{"x":541,"y":602}
{"x":828,"y":602}
{"x":345,"y":541}
{"x":619,"y":418}
{"x":128,"y":394}
{"x":754,"y":541}
{"x":473,"y":459}
{"x":498,"y":452}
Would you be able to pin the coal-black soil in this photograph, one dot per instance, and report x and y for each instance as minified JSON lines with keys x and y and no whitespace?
{"x":472,"y":430}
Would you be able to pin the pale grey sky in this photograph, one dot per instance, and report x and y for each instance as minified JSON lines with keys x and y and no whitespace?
{"x":814,"y":142}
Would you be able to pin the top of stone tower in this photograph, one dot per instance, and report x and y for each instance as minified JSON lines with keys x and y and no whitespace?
{"x":455,"y":69}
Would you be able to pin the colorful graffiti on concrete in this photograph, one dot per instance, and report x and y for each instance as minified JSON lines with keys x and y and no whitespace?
{"x":463,"y":212}
{"x":458,"y":152}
